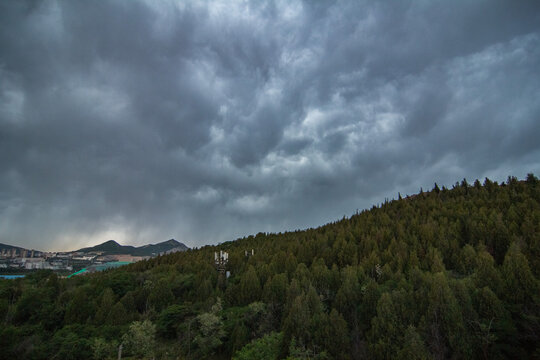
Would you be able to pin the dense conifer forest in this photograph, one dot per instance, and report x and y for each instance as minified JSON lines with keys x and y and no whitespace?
{"x":445,"y":274}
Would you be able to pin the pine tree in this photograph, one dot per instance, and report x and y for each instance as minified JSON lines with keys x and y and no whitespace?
{"x":520,"y":285}
{"x":250,"y":287}
{"x":414,"y":347}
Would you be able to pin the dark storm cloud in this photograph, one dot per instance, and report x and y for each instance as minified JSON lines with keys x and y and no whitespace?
{"x":205,"y":121}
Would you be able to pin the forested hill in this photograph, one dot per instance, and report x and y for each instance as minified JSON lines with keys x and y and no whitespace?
{"x":450,"y":273}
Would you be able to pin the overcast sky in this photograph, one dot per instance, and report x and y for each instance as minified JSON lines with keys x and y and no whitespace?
{"x":142,"y":121}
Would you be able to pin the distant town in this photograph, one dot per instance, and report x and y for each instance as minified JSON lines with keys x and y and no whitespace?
{"x":13,"y":258}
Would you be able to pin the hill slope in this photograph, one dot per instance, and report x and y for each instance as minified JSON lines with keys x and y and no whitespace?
{"x":444,"y":274}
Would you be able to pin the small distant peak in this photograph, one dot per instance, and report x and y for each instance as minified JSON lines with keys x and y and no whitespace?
{"x":111,"y":242}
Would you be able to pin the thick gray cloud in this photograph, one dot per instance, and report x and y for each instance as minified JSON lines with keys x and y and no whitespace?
{"x":205,"y":121}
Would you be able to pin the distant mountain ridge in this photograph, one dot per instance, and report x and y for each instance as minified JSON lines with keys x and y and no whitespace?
{"x":111,"y":247}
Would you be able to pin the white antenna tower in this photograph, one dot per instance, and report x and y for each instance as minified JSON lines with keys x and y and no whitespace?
{"x":221,"y":259}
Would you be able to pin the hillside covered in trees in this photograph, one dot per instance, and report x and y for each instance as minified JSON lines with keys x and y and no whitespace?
{"x":446,"y":274}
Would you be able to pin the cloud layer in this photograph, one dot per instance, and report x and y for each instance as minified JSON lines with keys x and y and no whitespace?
{"x":205,"y":121}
